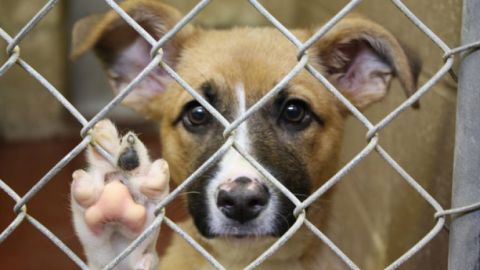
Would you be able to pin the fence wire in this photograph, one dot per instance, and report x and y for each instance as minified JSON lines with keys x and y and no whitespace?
{"x":20,"y":208}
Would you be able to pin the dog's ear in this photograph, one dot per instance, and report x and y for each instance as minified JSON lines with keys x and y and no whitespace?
{"x":125,"y":53}
{"x":360,"y":58}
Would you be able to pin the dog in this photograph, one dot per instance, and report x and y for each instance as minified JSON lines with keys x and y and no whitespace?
{"x":235,"y":213}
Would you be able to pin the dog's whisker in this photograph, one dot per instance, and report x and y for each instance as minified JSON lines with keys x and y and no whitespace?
{"x":190,"y":192}
{"x":280,"y":218}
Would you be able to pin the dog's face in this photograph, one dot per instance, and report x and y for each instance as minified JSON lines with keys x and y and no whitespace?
{"x":303,"y":121}
{"x":295,"y":136}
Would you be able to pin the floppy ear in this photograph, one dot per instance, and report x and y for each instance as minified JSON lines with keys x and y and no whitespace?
{"x":360,"y":58}
{"x":125,"y":53}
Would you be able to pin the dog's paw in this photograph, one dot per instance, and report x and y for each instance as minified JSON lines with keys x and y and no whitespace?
{"x":147,"y":262}
{"x":113,"y":203}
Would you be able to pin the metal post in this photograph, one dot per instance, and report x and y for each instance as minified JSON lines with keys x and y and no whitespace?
{"x":465,"y":230}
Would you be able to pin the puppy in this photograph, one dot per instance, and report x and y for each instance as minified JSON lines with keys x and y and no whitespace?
{"x":235,"y":213}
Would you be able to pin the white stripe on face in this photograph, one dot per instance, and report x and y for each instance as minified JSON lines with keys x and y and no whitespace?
{"x":242,"y":130}
{"x":231,"y":167}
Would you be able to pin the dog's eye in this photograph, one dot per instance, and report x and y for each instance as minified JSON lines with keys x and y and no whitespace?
{"x":195,"y":115}
{"x":295,"y":114}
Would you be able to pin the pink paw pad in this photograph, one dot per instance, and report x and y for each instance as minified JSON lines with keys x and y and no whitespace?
{"x":155,"y":184}
{"x":83,"y":191}
{"x":115,"y":204}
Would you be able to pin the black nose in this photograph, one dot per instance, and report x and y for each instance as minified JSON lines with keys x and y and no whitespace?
{"x":242,"y":199}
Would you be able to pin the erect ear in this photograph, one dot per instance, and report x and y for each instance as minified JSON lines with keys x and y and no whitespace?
{"x":361,"y":57}
{"x":125,"y":53}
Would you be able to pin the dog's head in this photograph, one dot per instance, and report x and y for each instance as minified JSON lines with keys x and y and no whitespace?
{"x":295,"y":135}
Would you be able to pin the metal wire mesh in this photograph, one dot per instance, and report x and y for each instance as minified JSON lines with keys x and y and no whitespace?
{"x":372,"y":134}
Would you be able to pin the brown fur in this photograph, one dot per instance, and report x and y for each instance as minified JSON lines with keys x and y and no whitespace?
{"x":262,"y":57}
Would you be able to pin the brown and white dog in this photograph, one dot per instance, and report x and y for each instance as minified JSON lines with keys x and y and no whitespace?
{"x":235,"y":213}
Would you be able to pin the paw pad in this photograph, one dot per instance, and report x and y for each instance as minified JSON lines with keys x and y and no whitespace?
{"x":82,"y":189}
{"x":115,"y":204}
{"x":155,"y":184}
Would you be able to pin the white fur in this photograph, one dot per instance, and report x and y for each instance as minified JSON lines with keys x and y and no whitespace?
{"x":241,"y":132}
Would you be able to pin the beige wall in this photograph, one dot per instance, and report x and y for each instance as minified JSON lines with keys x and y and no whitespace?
{"x":388,"y":216}
{"x":27,"y":110}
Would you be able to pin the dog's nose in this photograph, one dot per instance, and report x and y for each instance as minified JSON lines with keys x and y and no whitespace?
{"x":242,"y":199}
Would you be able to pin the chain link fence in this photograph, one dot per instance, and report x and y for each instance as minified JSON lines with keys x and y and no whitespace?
{"x":372,"y":135}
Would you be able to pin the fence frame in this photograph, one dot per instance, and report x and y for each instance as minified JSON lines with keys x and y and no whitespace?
{"x":464,"y":249}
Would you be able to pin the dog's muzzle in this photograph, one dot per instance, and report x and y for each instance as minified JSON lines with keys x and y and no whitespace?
{"x":242,"y":199}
